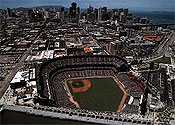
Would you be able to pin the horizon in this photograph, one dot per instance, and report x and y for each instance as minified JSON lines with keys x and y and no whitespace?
{"x":134,"y":5}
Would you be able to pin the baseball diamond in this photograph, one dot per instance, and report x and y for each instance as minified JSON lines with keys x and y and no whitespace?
{"x":79,"y":85}
{"x":102,"y":93}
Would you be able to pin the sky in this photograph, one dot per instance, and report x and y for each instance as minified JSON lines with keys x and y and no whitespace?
{"x":135,"y":5}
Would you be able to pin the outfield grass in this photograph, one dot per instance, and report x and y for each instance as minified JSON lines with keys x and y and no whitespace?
{"x":166,"y":60}
{"x":104,"y":95}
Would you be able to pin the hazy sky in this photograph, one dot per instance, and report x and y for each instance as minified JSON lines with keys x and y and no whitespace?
{"x":140,"y":5}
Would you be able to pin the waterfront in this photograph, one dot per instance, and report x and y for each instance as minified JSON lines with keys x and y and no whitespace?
{"x":13,"y":117}
{"x":157,"y":17}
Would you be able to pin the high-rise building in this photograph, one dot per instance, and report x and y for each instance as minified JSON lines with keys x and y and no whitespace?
{"x":62,"y":9}
{"x":120,"y":10}
{"x":9,"y":13}
{"x":96,"y":13}
{"x":78,"y":10}
{"x":89,"y":12}
{"x":62,"y":13}
{"x":121,"y":16}
{"x":104,"y":11}
{"x":74,"y":11}
{"x":74,"y":8}
{"x":100,"y":13}
{"x":126,"y":12}
{"x":71,"y":12}
{"x":91,"y":8}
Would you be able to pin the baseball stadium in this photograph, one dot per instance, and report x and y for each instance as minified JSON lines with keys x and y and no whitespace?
{"x":90,"y":82}
{"x":97,"y":93}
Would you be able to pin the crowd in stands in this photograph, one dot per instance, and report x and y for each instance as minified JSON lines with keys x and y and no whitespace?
{"x":134,"y":109}
{"x":129,"y":86}
{"x":54,"y":75}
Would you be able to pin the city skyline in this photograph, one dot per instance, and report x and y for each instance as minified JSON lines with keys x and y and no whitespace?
{"x":87,"y":63}
{"x":134,"y":5}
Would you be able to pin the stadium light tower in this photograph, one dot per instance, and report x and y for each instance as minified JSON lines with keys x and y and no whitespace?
{"x":145,"y":96}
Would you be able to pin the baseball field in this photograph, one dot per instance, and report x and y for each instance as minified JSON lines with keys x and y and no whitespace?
{"x":102,"y":93}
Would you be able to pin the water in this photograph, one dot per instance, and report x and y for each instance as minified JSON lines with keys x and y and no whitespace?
{"x":159,"y":17}
{"x":13,"y":117}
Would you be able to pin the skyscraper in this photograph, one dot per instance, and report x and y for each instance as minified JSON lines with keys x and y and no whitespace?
{"x":96,"y":13}
{"x":126,"y":12}
{"x":104,"y":11}
{"x":121,"y":16}
{"x":89,"y":13}
{"x":78,"y":13}
{"x":62,"y":9}
{"x":9,"y":13}
{"x":120,"y":10}
{"x":62,"y":13}
{"x":74,"y":7}
{"x":78,"y":10}
{"x":99,"y":13}
{"x":71,"y":12}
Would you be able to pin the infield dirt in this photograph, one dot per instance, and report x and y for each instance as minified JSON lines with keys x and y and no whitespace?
{"x":102,"y":93}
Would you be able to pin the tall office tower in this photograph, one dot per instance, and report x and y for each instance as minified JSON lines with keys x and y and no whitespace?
{"x":78,"y":10}
{"x":121,"y":17}
{"x":114,"y":14}
{"x":90,"y":8}
{"x":120,"y":10}
{"x":126,"y":12}
{"x":9,"y":13}
{"x":70,"y":12}
{"x":74,"y":7}
{"x":62,"y":9}
{"x":99,"y":13}
{"x":96,"y":13}
{"x":104,"y":11}
{"x":89,"y":13}
{"x":62,"y":13}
